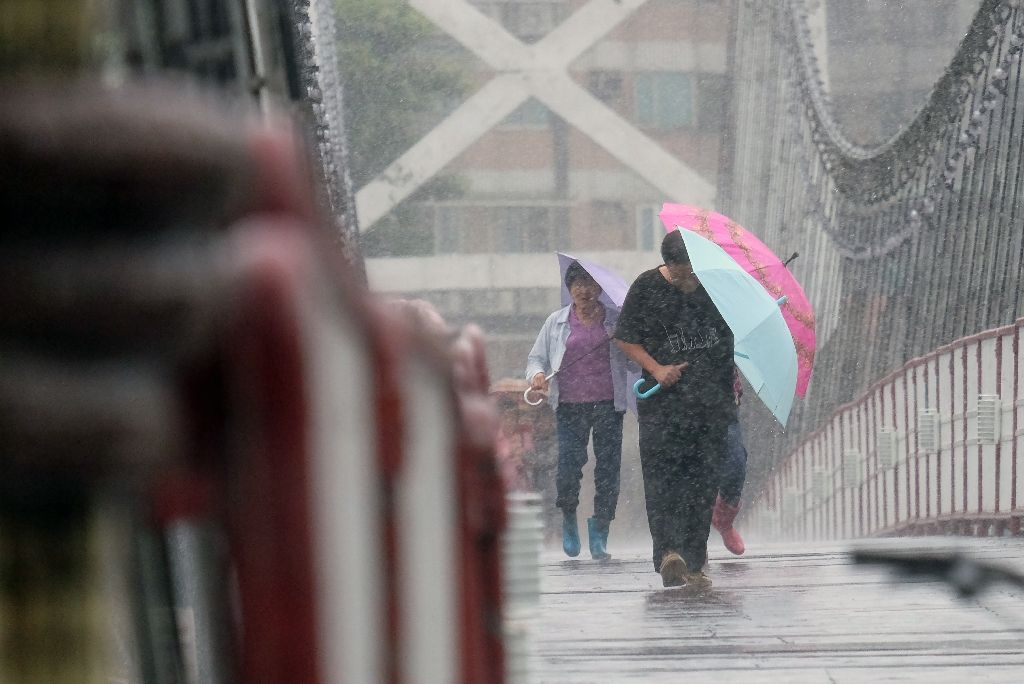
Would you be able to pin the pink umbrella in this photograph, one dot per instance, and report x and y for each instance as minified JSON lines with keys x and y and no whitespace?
{"x":760,"y":262}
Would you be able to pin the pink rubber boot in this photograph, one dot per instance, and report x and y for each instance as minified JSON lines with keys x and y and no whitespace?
{"x":721,"y":519}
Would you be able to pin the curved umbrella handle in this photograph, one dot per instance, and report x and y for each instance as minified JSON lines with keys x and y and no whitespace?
{"x":526,"y":394}
{"x":526,"y":397}
{"x":644,"y":395}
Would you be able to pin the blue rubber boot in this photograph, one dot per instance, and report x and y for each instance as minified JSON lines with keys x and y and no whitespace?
{"x":570,"y":534}
{"x":597,"y":533}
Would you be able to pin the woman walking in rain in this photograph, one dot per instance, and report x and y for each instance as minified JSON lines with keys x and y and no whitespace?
{"x":670,"y":326}
{"x":588,"y":396}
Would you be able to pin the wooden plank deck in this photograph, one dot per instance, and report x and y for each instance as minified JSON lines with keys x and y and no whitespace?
{"x":777,"y":614}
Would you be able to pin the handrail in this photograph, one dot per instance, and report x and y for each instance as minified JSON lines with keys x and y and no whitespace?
{"x":954,"y":423}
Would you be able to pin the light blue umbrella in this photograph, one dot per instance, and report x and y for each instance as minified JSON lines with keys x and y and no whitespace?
{"x":764,"y":349}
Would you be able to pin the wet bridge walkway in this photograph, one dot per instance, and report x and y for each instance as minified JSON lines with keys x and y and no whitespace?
{"x":777,"y":614}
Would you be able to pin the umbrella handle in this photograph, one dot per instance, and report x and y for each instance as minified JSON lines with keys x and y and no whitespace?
{"x":648,"y":393}
{"x":526,"y":394}
{"x":526,"y":397}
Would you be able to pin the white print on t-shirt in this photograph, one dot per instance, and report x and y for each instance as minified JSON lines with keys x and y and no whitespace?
{"x":681,"y":341}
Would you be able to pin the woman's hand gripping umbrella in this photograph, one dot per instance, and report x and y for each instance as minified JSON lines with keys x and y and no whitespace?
{"x":563,"y":367}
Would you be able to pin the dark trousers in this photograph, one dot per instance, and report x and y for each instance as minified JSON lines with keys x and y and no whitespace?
{"x":682,"y":462}
{"x":575,"y":422}
{"x":734,"y":468}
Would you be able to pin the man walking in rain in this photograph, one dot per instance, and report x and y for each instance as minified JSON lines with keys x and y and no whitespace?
{"x":672,"y":329}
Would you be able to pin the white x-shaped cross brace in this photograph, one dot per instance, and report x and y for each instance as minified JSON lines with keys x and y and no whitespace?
{"x":537,"y":70}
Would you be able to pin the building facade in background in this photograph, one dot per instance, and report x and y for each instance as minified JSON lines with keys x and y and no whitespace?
{"x":540,"y":181}
{"x":534,"y":180}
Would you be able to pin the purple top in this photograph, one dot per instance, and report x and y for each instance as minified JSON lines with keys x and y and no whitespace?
{"x":590,"y":379}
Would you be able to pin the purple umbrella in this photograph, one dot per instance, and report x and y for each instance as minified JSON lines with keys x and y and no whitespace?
{"x":614,"y":287}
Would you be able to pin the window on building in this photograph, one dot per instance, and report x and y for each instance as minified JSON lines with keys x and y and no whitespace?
{"x":525,"y":229}
{"x":609,"y":226}
{"x":528,"y":20}
{"x":712,"y":98}
{"x":560,"y":223}
{"x":530,"y":114}
{"x":476,"y":238}
{"x":446,"y":230}
{"x":606,"y":85}
{"x":648,"y":228}
{"x":531,"y":21}
{"x":484,"y":229}
{"x":664,"y":100}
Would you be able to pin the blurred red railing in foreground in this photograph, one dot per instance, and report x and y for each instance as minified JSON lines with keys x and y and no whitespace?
{"x":933,"y":448}
{"x":377,"y":451}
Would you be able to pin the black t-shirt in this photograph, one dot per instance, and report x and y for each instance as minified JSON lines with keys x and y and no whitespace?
{"x":675,"y":327}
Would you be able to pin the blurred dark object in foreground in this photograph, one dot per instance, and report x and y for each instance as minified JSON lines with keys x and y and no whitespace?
{"x":114,"y":292}
{"x":118,"y":161}
{"x":220,"y":460}
{"x":966,"y":575}
{"x":276,"y":55}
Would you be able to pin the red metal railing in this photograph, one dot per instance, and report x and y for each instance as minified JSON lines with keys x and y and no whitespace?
{"x":932,"y":448}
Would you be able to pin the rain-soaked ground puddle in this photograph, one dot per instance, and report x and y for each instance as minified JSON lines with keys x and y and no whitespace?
{"x":777,"y":614}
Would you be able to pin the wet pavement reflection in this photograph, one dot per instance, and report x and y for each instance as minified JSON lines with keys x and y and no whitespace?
{"x":777,"y":614}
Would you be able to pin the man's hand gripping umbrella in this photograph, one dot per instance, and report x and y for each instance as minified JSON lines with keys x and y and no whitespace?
{"x":672,"y":374}
{"x":764,"y":348}
{"x":767,"y":268}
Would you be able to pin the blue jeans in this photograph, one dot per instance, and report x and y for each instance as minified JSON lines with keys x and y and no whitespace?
{"x":575,"y":422}
{"x":734,"y":467}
